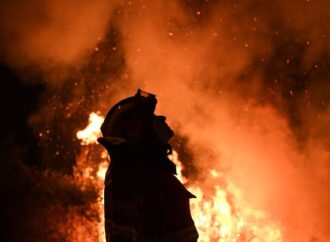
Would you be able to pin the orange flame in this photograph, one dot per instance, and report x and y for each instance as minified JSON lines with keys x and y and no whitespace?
{"x":223,"y":216}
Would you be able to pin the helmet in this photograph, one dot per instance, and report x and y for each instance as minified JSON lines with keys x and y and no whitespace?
{"x":142,"y":106}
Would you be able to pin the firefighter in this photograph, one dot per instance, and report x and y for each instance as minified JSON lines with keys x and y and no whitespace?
{"x":143,"y":200}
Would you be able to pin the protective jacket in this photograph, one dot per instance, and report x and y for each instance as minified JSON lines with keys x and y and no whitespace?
{"x":143,"y":200}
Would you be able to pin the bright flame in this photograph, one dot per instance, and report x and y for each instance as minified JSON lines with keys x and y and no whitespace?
{"x":102,"y":170}
{"x":220,"y":213}
{"x":90,"y":134}
{"x":224,"y":216}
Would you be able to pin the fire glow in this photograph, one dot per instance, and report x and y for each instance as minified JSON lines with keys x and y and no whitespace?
{"x":219,"y":211}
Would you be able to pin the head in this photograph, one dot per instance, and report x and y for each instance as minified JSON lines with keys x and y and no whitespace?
{"x":133,"y":119}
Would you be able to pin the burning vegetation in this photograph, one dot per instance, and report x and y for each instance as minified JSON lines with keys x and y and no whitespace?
{"x":244,"y":84}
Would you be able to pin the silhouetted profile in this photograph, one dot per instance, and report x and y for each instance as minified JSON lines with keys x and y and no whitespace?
{"x":143,"y":200}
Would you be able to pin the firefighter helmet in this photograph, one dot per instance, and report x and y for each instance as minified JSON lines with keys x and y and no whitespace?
{"x":142,"y":105}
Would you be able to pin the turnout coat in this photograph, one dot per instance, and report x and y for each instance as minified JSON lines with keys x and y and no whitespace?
{"x":143,"y":200}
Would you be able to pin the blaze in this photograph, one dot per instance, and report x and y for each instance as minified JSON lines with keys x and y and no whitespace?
{"x":219,"y":211}
{"x":90,"y":134}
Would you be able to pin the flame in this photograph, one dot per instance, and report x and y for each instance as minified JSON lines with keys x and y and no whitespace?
{"x":220,"y":212}
{"x":219,"y":218}
{"x":90,"y":134}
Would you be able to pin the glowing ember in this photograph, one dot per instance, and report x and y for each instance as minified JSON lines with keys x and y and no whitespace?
{"x":220,"y":213}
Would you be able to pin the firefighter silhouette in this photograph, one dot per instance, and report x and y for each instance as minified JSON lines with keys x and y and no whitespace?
{"x":143,"y":200}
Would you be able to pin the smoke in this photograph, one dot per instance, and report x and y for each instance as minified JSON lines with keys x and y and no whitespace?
{"x":243,"y":80}
{"x":51,"y":36}
{"x":247,"y":82}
